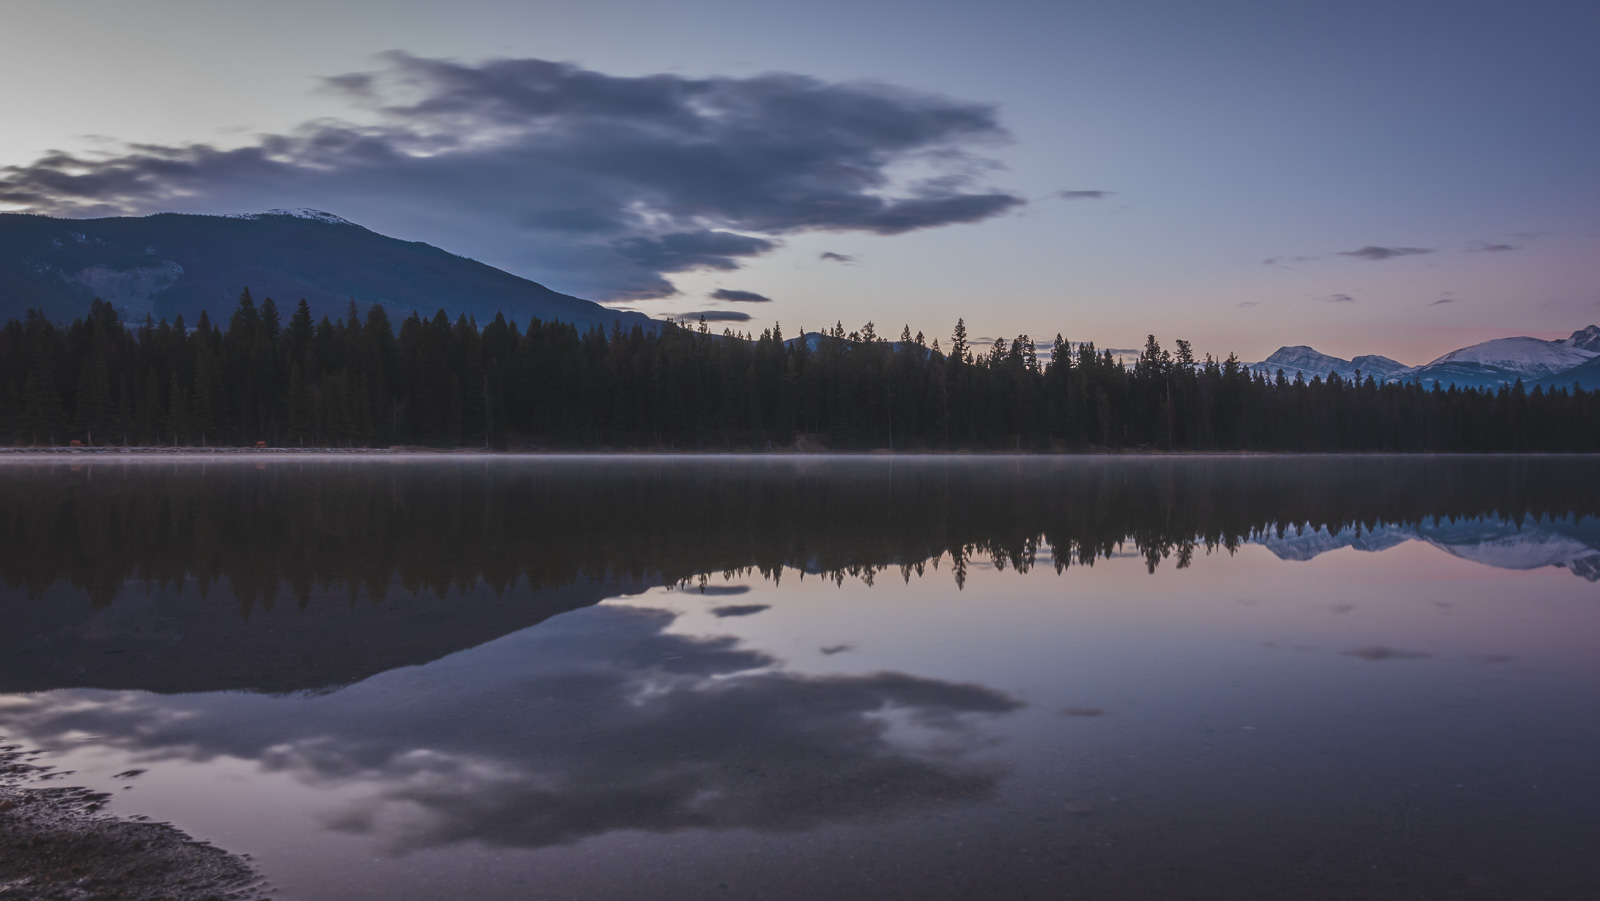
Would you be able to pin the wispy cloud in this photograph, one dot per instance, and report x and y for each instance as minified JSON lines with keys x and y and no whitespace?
{"x":733,"y":296}
{"x":1248,"y":304}
{"x":1279,"y":261}
{"x":1442,"y":300}
{"x":1486,"y":247}
{"x":1084,"y":195}
{"x":836,"y":257}
{"x":1335,"y":298}
{"x":598,"y":183}
{"x":1374,"y":253}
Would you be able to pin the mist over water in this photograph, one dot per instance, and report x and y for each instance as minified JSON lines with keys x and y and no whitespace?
{"x":800,"y":677}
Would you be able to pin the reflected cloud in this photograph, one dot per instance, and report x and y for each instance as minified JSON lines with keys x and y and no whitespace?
{"x":1379,"y":652}
{"x":739,"y":610}
{"x":1082,"y":711}
{"x":595,"y":722}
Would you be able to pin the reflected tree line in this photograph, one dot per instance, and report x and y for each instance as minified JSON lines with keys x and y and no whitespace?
{"x":286,"y":528}
{"x":357,"y":381}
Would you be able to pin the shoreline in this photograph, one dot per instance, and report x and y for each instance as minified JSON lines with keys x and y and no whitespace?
{"x":56,"y":845}
{"x":784,"y":453}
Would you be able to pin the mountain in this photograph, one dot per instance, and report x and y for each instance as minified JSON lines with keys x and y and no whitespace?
{"x":1486,"y":365}
{"x":1312,"y":364}
{"x":1584,"y":375}
{"x":171,"y":264}
{"x":1584,"y":339}
{"x":1501,"y":362}
{"x":1380,"y":367}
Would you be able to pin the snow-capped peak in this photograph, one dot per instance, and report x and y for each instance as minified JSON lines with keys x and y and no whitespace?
{"x":1300,"y":358}
{"x":1584,"y":339}
{"x":1313,"y":364}
{"x":1524,"y":355}
{"x":297,"y":213}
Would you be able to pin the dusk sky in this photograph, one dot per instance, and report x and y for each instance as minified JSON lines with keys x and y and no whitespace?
{"x":1393,"y":178}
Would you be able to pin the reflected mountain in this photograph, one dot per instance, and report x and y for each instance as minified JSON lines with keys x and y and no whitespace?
{"x":294,"y":574}
{"x":1528,"y":543}
{"x":597,"y":721}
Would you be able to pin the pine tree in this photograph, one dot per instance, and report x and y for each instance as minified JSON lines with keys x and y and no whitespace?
{"x":42,"y":413}
{"x":302,"y":407}
{"x":95,"y":411}
{"x":178,"y":423}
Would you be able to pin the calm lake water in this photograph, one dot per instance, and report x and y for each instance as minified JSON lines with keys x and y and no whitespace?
{"x":498,"y":678}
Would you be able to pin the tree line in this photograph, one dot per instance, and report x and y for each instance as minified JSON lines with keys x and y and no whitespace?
{"x":356,"y":381}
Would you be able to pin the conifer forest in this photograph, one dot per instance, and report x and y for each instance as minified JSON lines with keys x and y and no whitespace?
{"x":358,"y":381}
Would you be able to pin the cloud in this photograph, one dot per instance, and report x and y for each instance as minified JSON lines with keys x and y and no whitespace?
{"x":1374,"y":253}
{"x":684,"y":251}
{"x":1486,"y":247}
{"x":739,"y":296}
{"x":1337,"y":298}
{"x":1442,"y":300}
{"x":836,"y":257}
{"x":1303,"y":258}
{"x":713,"y":316}
{"x":1084,"y":195}
{"x":598,"y":184}
{"x":1248,"y":304}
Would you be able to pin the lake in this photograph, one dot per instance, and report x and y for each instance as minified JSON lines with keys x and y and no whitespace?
{"x":824,"y":677}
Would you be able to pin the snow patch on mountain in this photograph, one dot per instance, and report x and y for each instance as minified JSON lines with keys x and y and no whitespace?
{"x":1526,"y":356}
{"x":297,"y":213}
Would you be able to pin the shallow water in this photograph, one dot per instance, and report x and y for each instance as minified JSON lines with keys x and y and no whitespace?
{"x":802,"y":677}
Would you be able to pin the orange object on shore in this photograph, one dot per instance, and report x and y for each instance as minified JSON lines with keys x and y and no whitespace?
{"x":261,"y":444}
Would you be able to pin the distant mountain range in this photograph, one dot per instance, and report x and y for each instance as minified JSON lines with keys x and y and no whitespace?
{"x":1490,"y":364}
{"x":1530,"y":543}
{"x":171,"y":264}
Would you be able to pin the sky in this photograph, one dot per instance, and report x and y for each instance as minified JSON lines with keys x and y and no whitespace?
{"x":1400,"y":178}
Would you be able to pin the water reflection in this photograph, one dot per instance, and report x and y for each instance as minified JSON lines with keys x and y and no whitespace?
{"x":956,"y":678}
{"x":1504,"y":543}
{"x":304,"y":576}
{"x":593,"y":724}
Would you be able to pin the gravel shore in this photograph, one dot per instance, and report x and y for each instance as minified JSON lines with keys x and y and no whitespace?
{"x":56,"y":845}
